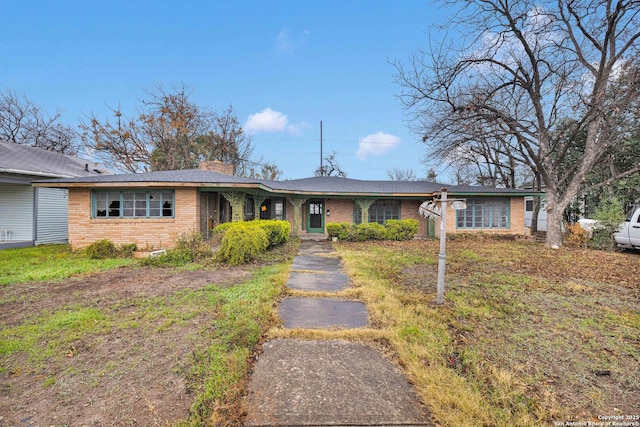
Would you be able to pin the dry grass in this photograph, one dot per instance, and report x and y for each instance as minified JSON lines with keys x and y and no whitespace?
{"x":527,"y":335}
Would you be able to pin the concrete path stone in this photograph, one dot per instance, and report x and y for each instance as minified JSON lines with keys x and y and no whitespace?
{"x":331,"y":281}
{"x":329,"y":383}
{"x":315,"y":263}
{"x":311,"y":247}
{"x":318,"y":313}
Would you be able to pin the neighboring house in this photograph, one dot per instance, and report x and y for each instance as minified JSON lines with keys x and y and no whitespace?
{"x":528,"y":213}
{"x":37,"y":215}
{"x":152,"y":209}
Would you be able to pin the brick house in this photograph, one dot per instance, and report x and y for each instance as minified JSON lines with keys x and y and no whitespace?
{"x":152,"y":209}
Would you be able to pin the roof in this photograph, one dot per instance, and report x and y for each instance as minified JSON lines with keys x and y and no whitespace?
{"x":26,"y":160}
{"x":321,"y":186}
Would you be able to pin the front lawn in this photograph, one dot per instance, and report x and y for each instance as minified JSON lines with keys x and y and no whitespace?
{"x":49,"y":262}
{"x":528,"y":336}
{"x":133,"y":345}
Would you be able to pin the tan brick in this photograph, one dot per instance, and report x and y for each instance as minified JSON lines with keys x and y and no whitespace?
{"x":152,"y":233}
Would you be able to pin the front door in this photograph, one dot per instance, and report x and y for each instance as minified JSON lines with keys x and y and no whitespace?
{"x":315,"y":216}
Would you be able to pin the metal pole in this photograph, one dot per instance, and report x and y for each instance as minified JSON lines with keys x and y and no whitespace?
{"x":321,"y":170}
{"x":443,"y":246}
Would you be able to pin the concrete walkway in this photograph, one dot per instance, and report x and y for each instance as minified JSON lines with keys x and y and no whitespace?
{"x":326,"y":383}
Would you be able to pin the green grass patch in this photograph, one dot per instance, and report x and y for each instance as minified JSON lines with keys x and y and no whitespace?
{"x":49,"y":263}
{"x":245,"y":312}
{"x":48,"y":335}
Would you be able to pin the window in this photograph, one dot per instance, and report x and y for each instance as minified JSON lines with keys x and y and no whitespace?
{"x":528,"y":205}
{"x":273,"y":209}
{"x":484,"y":213}
{"x":379,"y":211}
{"x":133,"y":204}
{"x":249,"y":208}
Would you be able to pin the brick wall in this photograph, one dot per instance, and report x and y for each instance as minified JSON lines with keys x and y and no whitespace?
{"x":153,"y":233}
{"x":341,"y":210}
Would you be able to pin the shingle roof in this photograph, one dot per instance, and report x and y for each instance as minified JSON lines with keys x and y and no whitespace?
{"x":26,"y":160}
{"x":327,"y":186}
{"x":195,"y":176}
{"x":339,"y":185}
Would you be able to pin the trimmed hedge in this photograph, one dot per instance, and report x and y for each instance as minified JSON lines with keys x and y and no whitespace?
{"x":393,"y":229}
{"x":244,"y":241}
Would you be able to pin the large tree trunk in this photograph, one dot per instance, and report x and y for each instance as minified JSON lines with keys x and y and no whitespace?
{"x":555,"y":209}
{"x":554,"y":227}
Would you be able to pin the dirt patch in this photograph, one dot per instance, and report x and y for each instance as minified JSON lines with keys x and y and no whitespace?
{"x":22,"y":301}
{"x":119,"y":377}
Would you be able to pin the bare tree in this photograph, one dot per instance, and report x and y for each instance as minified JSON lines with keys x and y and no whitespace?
{"x":23,"y":122}
{"x":397,"y":174}
{"x":330,"y":167}
{"x":520,"y":71}
{"x":170,"y":132}
{"x":266,"y":171}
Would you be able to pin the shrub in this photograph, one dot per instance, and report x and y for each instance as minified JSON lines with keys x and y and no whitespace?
{"x":190,"y":247}
{"x":101,"y":249}
{"x":609,"y":215}
{"x":127,"y":249}
{"x":338,"y":229}
{"x":220,"y":229}
{"x":277,"y":231}
{"x":367,"y":231}
{"x":576,"y":235}
{"x":401,"y":229}
{"x":242,"y":243}
{"x":193,"y":243}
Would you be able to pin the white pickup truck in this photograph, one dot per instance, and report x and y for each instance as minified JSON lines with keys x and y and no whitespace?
{"x":629,"y":234}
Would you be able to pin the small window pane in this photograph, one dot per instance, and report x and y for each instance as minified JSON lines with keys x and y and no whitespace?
{"x":154,"y":204}
{"x":127,"y":199}
{"x":141,"y":204}
{"x":101,"y":204}
{"x":114,"y":204}
{"x":167,"y":204}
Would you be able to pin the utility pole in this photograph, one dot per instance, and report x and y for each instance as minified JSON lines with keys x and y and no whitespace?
{"x":321,"y":167}
{"x":442,"y":257}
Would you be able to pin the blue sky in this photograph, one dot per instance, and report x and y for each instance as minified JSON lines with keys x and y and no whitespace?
{"x":283,"y":65}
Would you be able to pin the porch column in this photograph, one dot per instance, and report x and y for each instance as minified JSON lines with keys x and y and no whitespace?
{"x":257,"y":202}
{"x":297,"y":203}
{"x":237,"y":205}
{"x":364,"y":205}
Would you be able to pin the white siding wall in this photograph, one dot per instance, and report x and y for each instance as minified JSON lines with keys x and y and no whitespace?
{"x":16,"y":211}
{"x":53,"y":211}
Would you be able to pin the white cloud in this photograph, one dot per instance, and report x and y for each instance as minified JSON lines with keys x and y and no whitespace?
{"x":298,"y":129}
{"x":285,"y":43}
{"x":376,"y":144}
{"x":267,"y":120}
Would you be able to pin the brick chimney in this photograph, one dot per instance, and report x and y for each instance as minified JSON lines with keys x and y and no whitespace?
{"x":216,"y":166}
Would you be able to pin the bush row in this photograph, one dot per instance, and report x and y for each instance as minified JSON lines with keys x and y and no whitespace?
{"x":243,"y":241}
{"x":393,"y":229}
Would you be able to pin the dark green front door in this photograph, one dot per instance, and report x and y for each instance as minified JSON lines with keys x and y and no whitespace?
{"x":315,"y":216}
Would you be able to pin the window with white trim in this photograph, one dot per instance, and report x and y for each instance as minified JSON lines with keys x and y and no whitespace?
{"x":484,"y":213}
{"x":132,"y":204}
